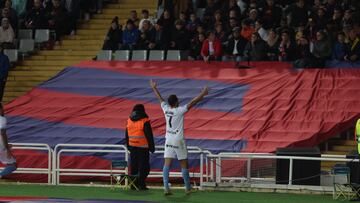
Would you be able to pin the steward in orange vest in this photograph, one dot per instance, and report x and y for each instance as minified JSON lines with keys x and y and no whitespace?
{"x":139,"y":141}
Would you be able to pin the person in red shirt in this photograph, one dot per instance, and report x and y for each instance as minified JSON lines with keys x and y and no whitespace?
{"x":211,"y":48}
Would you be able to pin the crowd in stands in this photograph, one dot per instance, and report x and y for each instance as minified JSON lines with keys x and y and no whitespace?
{"x":58,"y":15}
{"x":306,"y":32}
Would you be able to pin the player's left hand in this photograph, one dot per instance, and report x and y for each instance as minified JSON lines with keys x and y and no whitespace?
{"x":205,"y":91}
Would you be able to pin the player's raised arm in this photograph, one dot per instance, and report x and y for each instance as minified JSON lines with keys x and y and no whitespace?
{"x":156,"y":91}
{"x":197,"y":99}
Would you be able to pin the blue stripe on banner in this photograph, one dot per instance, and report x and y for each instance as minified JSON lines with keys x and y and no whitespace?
{"x":27,"y":130}
{"x":224,"y":97}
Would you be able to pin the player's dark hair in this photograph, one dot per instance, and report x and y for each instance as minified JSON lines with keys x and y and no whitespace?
{"x":173,"y":100}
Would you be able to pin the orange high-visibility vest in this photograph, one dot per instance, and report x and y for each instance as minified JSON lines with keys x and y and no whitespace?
{"x":136,"y":133}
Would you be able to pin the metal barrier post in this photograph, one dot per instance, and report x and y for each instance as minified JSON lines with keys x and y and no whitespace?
{"x":290,"y":171}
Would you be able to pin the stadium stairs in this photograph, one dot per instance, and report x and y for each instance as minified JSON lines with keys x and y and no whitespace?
{"x":83,"y":46}
{"x":338,"y":147}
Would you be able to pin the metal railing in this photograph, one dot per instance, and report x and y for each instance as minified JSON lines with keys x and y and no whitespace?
{"x":37,"y":147}
{"x":218,"y":158}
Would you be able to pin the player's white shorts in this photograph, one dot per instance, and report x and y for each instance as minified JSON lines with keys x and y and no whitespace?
{"x":5,"y":159}
{"x":178,"y":151}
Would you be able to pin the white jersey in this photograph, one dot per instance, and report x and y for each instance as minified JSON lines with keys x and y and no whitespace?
{"x":2,"y":127}
{"x":174,"y":123}
{"x":4,"y":158}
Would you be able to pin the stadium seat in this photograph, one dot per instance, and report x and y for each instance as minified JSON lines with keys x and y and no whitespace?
{"x":42,"y":35}
{"x":343,"y":188}
{"x":139,"y":55}
{"x":26,"y":46}
{"x":25,"y":34}
{"x":12,"y":54}
{"x":173,"y":55}
{"x":122,"y":55}
{"x":156,"y":55}
{"x":104,"y":55}
{"x":122,"y":180}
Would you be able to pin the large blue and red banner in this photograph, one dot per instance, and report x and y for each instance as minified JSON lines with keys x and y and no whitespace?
{"x":247,"y":110}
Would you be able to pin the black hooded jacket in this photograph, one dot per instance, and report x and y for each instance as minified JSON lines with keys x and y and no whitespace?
{"x":135,"y":116}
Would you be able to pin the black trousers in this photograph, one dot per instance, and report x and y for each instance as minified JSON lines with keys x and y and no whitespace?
{"x":139,"y":159}
{"x":2,"y":88}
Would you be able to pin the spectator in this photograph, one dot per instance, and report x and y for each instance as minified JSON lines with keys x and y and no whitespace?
{"x":12,"y":16}
{"x":217,"y":19}
{"x":147,"y":35}
{"x":273,"y":44}
{"x":231,"y":6}
{"x":180,"y":38}
{"x":195,"y":51}
{"x":321,"y":18}
{"x":310,"y":30}
{"x":235,"y":47}
{"x":57,"y":19}
{"x":73,"y":9}
{"x":287,"y":48}
{"x":271,"y":14}
{"x":4,"y":69}
{"x":134,"y":18}
{"x":284,"y":26}
{"x":158,"y":42}
{"x":7,"y":34}
{"x":113,"y":39}
{"x":256,"y":49}
{"x":167,"y":24}
{"x":353,"y":51}
{"x":192,"y":24}
{"x":260,"y":29}
{"x":303,"y":51}
{"x":183,"y":17}
{"x":297,"y":13}
{"x":130,"y":36}
{"x":348,"y":18}
{"x":36,"y":18}
{"x":211,"y":49}
{"x":145,"y":16}
{"x":220,"y":33}
{"x":339,"y":48}
{"x":211,"y":8}
{"x":322,"y":49}
{"x":233,"y":23}
{"x":337,"y":19}
{"x":247,"y":29}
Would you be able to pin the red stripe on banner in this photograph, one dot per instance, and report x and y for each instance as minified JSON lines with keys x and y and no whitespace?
{"x":106,"y":112}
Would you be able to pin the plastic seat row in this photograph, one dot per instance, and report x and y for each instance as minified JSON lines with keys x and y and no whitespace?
{"x":141,"y":55}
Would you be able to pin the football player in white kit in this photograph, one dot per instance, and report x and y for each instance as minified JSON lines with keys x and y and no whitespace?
{"x":175,"y":145}
{"x":6,"y":156}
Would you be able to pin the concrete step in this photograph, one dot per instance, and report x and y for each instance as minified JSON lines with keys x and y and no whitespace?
{"x":335,"y":152}
{"x":41,"y":68}
{"x":50,"y":62}
{"x":78,"y":48}
{"x":84,"y":37}
{"x":28,"y":78}
{"x":92,"y":32}
{"x":83,"y":42}
{"x":46,"y":73}
{"x":102,"y":21}
{"x":330,"y":163}
{"x":18,"y":89}
{"x":123,"y":11}
{"x":343,"y":142}
{"x":14,"y":83}
{"x":343,"y":148}
{"x":91,"y":26}
{"x":61,"y":57}
{"x":69,"y":53}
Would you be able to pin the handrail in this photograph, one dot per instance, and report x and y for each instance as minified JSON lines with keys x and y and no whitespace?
{"x":40,"y":147}
{"x":56,"y":155}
